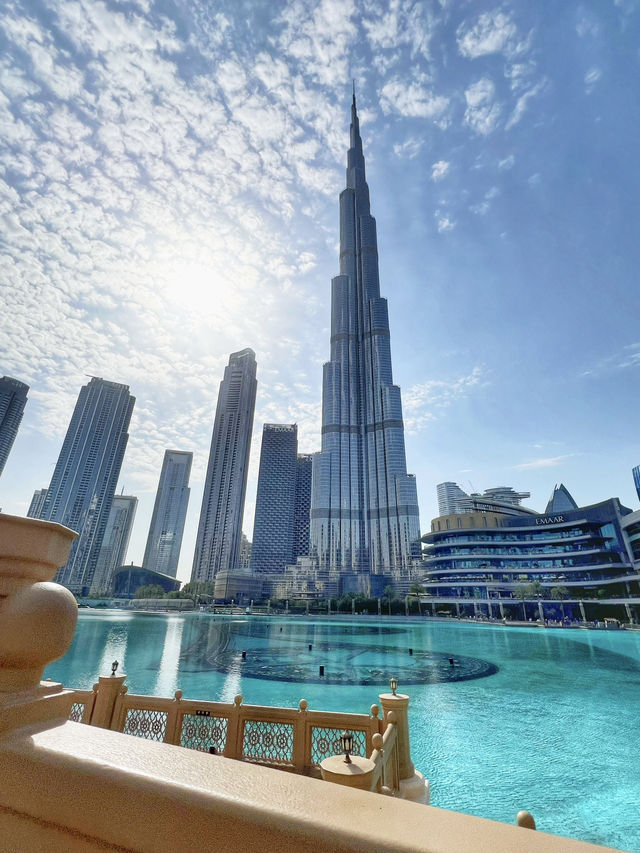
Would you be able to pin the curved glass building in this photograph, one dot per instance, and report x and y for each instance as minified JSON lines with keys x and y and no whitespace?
{"x":569,"y":556}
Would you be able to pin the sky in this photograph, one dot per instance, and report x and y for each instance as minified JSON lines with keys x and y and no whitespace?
{"x":169,"y":181}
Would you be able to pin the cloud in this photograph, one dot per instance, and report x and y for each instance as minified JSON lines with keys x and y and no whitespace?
{"x":444,"y":221}
{"x":548,"y":462}
{"x":522,"y":103}
{"x":427,"y":401}
{"x":413,"y":100}
{"x":439,"y":170}
{"x":492,"y":32}
{"x":482,"y":112}
{"x":628,"y":357}
{"x":484,"y":206}
{"x":408,"y":149}
{"x":507,"y":163}
{"x":591,"y":78}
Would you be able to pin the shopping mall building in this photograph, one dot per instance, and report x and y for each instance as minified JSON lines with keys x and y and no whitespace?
{"x":574,"y":562}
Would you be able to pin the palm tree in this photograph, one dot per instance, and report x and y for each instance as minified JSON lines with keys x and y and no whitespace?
{"x":523,"y":592}
{"x":389,"y":592}
{"x":417,"y":589}
{"x":559,"y":593}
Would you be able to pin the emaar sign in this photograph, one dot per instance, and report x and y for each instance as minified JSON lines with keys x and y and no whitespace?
{"x":551,"y":519}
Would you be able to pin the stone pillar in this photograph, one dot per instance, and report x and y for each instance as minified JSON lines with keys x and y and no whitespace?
{"x":501,"y":606}
{"x":109,"y":688}
{"x":584,"y":617}
{"x":399,"y":704}
{"x":358,"y":773}
{"x":541,"y":611}
{"x":37,"y":621}
{"x":412,"y":784}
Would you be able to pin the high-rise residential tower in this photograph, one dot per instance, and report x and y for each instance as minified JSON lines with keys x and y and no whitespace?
{"x":85,"y":477}
{"x":302,"y":509}
{"x":37,"y":503}
{"x":281,"y":524}
{"x":114,"y":543}
{"x":13,"y":399}
{"x":169,"y":512}
{"x":220,"y":526}
{"x":272,"y":545}
{"x":364,"y":507}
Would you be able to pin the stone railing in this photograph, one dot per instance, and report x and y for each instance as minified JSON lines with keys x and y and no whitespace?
{"x":83,"y":788}
{"x":297,"y":740}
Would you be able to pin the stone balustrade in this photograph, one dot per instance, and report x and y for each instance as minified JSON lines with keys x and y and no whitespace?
{"x":78,"y":788}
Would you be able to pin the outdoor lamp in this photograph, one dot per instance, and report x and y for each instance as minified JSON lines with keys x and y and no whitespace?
{"x":114,"y":667}
{"x":393,"y":684}
{"x":346,"y":739}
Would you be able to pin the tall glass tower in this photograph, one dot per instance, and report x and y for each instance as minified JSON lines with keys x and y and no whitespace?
{"x":86,"y":474}
{"x":13,"y":399}
{"x":169,"y":513}
{"x":114,"y":543}
{"x":364,"y":507}
{"x":220,"y":526}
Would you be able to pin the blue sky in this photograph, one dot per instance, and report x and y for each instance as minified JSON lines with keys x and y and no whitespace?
{"x":169,"y":176}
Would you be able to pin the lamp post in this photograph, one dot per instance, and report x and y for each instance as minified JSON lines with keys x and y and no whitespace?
{"x":393,"y":684}
{"x":346,"y":740}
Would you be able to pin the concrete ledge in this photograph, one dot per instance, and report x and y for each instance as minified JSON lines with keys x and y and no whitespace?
{"x":79,"y":788}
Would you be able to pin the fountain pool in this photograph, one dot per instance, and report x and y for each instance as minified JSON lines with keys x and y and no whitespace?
{"x":526,"y":718}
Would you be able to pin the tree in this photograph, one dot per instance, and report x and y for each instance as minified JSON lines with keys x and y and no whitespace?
{"x":197,"y":590}
{"x":152,"y":590}
{"x":389,"y":594}
{"x":559,"y":593}
{"x":523,"y":592}
{"x":417,"y":589}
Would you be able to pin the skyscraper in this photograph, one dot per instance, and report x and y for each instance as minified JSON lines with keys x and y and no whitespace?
{"x":364,"y":507}
{"x":636,"y":479}
{"x":37,"y":503}
{"x":169,"y":512}
{"x":302,"y":509}
{"x":273,"y":527}
{"x":220,"y":526}
{"x":114,"y":543}
{"x":13,"y":399}
{"x":449,"y":497}
{"x":86,"y":474}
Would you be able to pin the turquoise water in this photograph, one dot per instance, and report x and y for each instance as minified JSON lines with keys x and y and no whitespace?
{"x":546,"y":721}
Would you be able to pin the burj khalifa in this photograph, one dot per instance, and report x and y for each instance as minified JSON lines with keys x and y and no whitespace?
{"x":365,"y":525}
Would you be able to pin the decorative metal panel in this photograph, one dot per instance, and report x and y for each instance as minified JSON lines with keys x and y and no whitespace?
{"x":326,"y":742}
{"x":268,"y":742}
{"x":150,"y":725}
{"x":77,"y":712}
{"x":204,"y":733}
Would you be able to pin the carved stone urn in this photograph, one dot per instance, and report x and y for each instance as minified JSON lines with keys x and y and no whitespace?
{"x":37,"y":620}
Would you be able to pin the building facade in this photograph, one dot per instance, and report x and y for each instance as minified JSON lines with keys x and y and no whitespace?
{"x":164,"y":541}
{"x":37,"y":503}
{"x":220,"y":525}
{"x":13,"y":399}
{"x":283,"y":501}
{"x":452,"y":500}
{"x":364,"y":508}
{"x":114,"y":543}
{"x":273,"y":526}
{"x":84,"y":480}
{"x":302,"y":509}
{"x":491,"y":561}
{"x":636,"y":480}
